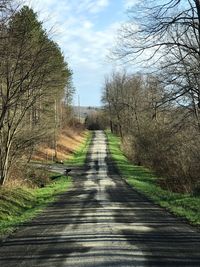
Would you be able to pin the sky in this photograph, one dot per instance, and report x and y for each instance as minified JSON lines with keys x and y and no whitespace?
{"x":86,"y":31}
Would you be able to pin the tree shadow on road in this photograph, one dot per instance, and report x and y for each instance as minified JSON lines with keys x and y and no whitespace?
{"x":162,"y":239}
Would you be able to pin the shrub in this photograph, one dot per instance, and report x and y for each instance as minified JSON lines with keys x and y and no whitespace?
{"x":31,"y":176}
{"x":174,"y":156}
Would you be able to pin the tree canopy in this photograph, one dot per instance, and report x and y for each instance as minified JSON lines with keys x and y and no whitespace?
{"x":34,"y":78}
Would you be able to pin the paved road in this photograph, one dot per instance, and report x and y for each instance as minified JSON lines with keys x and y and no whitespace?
{"x":102,"y":222}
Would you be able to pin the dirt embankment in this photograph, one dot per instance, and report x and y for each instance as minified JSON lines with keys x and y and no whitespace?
{"x":67,"y":142}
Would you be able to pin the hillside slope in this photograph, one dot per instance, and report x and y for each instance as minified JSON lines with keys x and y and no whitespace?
{"x":68,"y":140}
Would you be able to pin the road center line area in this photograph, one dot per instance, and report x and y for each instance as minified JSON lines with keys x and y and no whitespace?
{"x":102,"y":221}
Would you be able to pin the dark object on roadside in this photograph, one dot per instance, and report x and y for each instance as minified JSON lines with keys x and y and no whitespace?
{"x":59,"y":161}
{"x":67,"y":171}
{"x":196,"y":191}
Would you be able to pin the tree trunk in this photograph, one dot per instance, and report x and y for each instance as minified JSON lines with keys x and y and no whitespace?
{"x":5,"y":165}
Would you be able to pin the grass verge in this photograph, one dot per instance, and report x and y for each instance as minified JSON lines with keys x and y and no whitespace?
{"x":18,"y":205}
{"x":143,"y":180}
{"x":79,"y":156}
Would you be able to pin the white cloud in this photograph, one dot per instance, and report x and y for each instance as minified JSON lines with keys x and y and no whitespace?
{"x":80,"y":41}
{"x":84,"y":44}
{"x":92,"y":6}
{"x":130,"y":3}
{"x":99,"y":5}
{"x":87,"y":24}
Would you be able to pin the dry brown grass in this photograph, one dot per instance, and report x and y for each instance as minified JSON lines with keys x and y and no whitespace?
{"x":68,"y":140}
{"x":23,"y":175}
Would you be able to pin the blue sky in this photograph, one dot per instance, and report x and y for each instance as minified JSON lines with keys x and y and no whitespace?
{"x":86,"y":31}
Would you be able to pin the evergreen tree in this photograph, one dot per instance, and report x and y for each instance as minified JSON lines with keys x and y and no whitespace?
{"x":34,"y":76}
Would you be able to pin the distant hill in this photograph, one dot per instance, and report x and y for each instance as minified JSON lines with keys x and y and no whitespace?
{"x":84,"y":111}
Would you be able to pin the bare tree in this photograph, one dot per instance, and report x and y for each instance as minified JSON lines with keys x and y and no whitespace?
{"x":167,"y":33}
{"x":33,"y":75}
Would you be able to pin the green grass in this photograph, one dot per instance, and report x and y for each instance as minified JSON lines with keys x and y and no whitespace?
{"x":79,"y":156}
{"x":18,"y":205}
{"x":144,"y":181}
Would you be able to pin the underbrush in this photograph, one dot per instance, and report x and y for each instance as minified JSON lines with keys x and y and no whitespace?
{"x":173,"y":155}
{"x":146,"y":182}
{"x":29,"y":176}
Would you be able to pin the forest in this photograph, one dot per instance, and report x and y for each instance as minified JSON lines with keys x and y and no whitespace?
{"x":35,"y":89}
{"x":156,"y":111}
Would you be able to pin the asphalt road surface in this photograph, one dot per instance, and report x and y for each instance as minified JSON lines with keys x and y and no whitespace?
{"x":101,"y":221}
